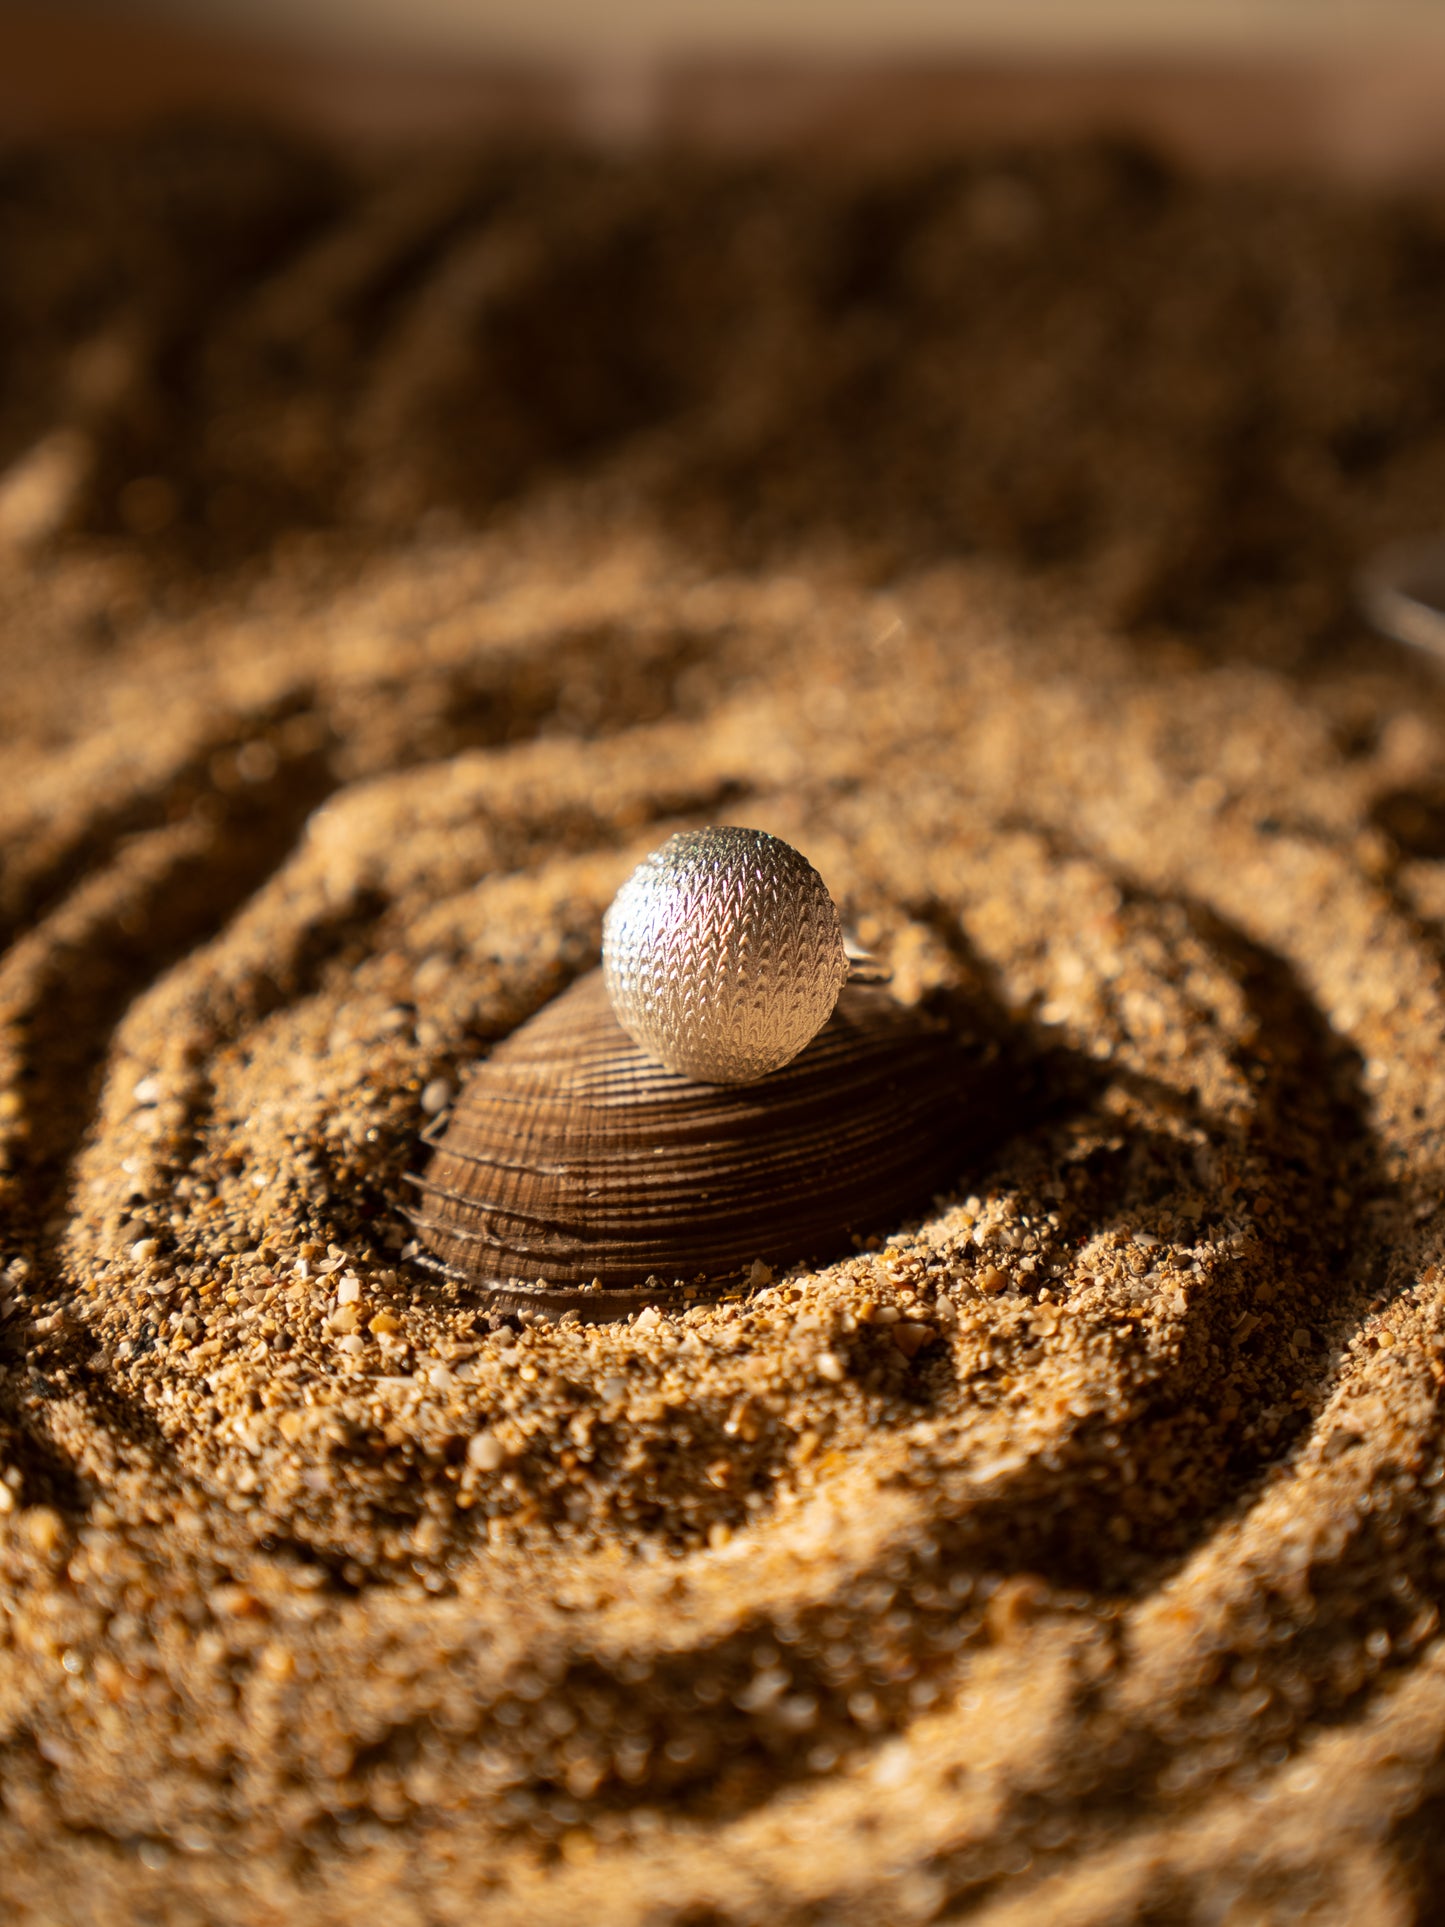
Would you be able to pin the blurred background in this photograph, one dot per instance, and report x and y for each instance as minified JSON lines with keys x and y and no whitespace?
{"x":1148,"y":299}
{"x":1354,"y":84}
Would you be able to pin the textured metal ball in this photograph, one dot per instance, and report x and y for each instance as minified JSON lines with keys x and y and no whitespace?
{"x":723,"y":954}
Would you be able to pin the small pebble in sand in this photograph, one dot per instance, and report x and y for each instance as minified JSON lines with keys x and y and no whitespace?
{"x":485,"y":1453}
{"x":436,"y":1096}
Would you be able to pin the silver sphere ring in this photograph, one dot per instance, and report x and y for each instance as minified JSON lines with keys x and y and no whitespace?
{"x":723,"y":954}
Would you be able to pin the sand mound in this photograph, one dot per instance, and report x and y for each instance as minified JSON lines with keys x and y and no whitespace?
{"x":391,"y":559}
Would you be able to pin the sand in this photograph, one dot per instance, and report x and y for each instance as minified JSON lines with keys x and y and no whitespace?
{"x":390,"y":555}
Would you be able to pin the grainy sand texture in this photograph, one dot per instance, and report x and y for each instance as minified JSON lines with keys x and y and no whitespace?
{"x":390,"y":555}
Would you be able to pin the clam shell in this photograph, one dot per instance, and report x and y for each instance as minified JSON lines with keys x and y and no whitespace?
{"x":574,"y":1162}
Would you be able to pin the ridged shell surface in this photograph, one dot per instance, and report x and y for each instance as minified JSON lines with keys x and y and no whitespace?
{"x":723,"y":954}
{"x":572,"y":1156}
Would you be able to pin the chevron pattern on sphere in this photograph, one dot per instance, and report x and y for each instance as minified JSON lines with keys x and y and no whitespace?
{"x":723,"y":954}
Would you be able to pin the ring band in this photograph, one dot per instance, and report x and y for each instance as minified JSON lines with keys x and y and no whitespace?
{"x":864,"y":967}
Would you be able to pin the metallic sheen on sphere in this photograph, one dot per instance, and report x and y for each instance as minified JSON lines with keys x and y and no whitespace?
{"x":723,"y":954}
